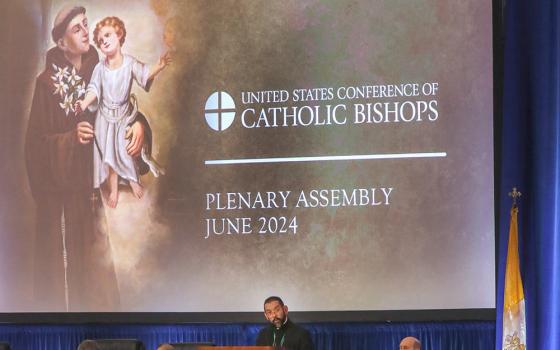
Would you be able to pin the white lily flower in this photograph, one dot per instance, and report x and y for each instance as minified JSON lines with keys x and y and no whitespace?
{"x":67,"y":104}
{"x":73,"y":77}
{"x":60,"y":73}
{"x":80,"y":90}
{"x":60,"y":88}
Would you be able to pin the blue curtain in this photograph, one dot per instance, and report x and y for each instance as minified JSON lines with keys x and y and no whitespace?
{"x":326,"y":336}
{"x":530,"y":161}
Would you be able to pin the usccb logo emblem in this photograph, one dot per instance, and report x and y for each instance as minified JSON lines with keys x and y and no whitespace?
{"x":219,"y":111}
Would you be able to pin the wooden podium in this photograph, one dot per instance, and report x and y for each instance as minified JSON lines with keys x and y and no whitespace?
{"x":235,"y":348}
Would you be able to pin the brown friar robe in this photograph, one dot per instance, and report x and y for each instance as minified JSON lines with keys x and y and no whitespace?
{"x":74,"y":268}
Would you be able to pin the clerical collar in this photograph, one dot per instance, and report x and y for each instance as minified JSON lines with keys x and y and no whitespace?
{"x":283,"y":324}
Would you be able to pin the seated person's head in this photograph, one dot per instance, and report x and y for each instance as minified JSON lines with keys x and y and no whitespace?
{"x":165,"y":347}
{"x":88,"y":345}
{"x":410,"y":343}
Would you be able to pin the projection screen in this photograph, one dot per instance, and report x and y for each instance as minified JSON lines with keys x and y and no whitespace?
{"x":336,"y":153}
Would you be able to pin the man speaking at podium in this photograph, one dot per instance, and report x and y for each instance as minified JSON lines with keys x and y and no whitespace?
{"x":282,"y":332}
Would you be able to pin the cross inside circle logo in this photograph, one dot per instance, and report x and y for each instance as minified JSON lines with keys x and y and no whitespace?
{"x":219,"y":111}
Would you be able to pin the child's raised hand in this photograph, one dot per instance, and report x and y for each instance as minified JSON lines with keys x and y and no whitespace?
{"x":164,"y":60}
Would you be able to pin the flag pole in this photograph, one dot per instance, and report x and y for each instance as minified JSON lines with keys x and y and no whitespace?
{"x":514,"y":194}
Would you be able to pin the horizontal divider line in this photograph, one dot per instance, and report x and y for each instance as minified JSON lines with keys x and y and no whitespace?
{"x":326,"y":158}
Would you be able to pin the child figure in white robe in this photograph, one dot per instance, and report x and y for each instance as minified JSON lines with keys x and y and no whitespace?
{"x":110,"y":85}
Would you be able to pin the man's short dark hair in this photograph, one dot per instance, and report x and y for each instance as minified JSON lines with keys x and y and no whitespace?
{"x":273,"y":298}
{"x":58,"y":30}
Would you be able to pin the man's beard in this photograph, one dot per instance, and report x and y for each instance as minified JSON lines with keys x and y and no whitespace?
{"x":278,"y":322}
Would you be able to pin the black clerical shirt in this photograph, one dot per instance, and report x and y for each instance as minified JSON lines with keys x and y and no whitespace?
{"x":290,"y":337}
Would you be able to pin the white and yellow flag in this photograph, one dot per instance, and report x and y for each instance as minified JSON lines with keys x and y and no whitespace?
{"x":514,"y":334}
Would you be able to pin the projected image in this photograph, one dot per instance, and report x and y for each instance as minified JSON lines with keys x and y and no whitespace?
{"x":200,"y":156}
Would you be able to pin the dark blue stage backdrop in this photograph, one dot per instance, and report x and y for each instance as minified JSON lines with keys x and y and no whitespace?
{"x":530,"y":161}
{"x":326,"y":336}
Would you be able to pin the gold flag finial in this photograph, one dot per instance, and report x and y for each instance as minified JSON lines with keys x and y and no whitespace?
{"x":514,"y":194}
